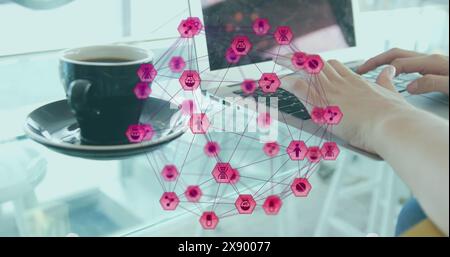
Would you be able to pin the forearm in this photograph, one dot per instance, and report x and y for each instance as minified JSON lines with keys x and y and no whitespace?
{"x":415,"y":144}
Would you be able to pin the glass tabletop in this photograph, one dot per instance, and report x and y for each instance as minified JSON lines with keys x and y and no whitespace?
{"x":50,"y":194}
{"x":45,"y":193}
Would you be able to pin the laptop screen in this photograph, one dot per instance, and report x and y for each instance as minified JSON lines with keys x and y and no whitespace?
{"x":317,"y":25}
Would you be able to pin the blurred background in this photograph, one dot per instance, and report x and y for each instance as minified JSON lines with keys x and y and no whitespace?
{"x":46,"y":194}
{"x":423,"y":25}
{"x":32,"y":29}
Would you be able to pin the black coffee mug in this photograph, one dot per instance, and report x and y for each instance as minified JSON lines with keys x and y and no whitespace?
{"x":99,"y":83}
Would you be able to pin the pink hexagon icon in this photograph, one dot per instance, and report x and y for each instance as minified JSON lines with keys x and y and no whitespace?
{"x":193,"y":193}
{"x":269,"y":83}
{"x":149,"y":132}
{"x":271,"y":149}
{"x":135,"y":133}
{"x":333,"y":115}
{"x":317,"y":115}
{"x":188,"y":107}
{"x":241,"y":45}
{"x":330,"y":151}
{"x":209,"y":220}
{"x":235,"y":176}
{"x":272,"y":205}
{"x":245,"y":204}
{"x":261,"y":26}
{"x":199,"y":123}
{"x":147,"y":73}
{"x":190,"y":80}
{"x":297,"y":150}
{"x":190,"y":27}
{"x":169,"y":201}
{"x":301,"y":187}
{"x":212,"y":149}
{"x":314,"y":64}
{"x":177,"y":64}
{"x":264,"y":120}
{"x":223,"y":173}
{"x":314,"y":154}
{"x":142,"y":90}
{"x":170,"y":173}
{"x":283,"y":35}
{"x":231,"y":56}
{"x":299,"y":60}
{"x":249,"y":86}
{"x":139,"y":133}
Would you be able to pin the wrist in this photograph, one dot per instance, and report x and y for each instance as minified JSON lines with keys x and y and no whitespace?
{"x":395,"y":120}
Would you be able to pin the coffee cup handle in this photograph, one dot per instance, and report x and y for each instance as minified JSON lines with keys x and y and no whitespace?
{"x":78,"y":94}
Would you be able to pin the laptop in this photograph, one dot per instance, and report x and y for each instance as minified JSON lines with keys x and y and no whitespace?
{"x":310,"y":21}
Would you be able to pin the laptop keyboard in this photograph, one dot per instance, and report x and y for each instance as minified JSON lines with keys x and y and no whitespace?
{"x":400,"y":82}
{"x":288,"y":103}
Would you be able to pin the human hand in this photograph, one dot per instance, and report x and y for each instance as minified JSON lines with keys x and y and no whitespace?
{"x":365,"y":106}
{"x":379,"y":120}
{"x":433,"y":67}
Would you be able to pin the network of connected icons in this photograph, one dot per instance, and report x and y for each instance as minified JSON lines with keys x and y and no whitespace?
{"x":225,"y":173}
